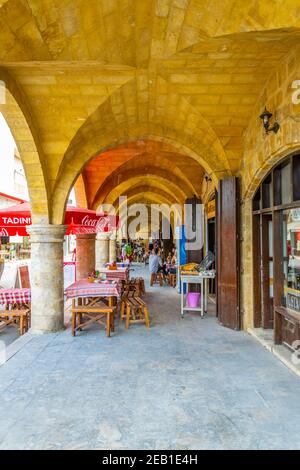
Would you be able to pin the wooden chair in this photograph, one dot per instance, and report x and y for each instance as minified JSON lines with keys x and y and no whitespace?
{"x":19,"y":318}
{"x":141,"y":286}
{"x":136,"y":312}
{"x":95,"y":314}
{"x":126,"y":294}
{"x":172,"y":280}
{"x":157,"y":278}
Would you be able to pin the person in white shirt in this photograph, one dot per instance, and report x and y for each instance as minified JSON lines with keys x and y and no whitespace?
{"x":154,"y":261}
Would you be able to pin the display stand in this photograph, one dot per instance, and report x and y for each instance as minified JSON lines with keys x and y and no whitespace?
{"x":202,"y":279}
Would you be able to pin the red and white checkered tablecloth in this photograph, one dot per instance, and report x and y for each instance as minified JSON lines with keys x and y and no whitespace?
{"x":83,"y":288}
{"x":121,"y":274}
{"x":15,"y":296}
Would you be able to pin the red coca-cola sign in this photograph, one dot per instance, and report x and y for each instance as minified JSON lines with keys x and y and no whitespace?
{"x":15,"y":219}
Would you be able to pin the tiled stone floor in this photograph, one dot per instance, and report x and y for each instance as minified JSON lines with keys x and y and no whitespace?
{"x":186,"y":383}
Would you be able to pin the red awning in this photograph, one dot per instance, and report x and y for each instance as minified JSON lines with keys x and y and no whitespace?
{"x":15,"y":219}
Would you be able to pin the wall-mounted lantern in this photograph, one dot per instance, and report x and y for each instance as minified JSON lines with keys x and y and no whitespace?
{"x":265,"y":117}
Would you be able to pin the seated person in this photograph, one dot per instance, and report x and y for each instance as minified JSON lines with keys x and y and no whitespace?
{"x":169,"y":258}
{"x":162,"y":266}
{"x":173,"y":268}
{"x":154,"y":261}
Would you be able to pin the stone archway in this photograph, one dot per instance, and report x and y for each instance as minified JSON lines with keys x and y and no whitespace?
{"x":21,"y":123}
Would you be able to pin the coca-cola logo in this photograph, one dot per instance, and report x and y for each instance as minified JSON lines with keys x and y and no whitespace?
{"x":101,"y":224}
{"x":89,"y":221}
{"x":3,"y":232}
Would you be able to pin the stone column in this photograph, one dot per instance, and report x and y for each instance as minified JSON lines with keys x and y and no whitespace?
{"x":112,"y":248}
{"x":102,"y":249}
{"x":85,"y":254}
{"x":47,"y":277}
{"x":246,"y":265}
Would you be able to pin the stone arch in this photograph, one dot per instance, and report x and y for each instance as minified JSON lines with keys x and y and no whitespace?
{"x":129,"y":181}
{"x":135,"y":112}
{"x":21,"y":123}
{"x":141,"y":190}
{"x":263,"y":151}
{"x":272,"y":161}
{"x":139,"y":158}
{"x":152,"y":181}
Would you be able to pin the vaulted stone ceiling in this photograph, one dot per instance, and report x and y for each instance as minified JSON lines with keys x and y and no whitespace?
{"x":95,"y":74}
{"x":137,"y":168}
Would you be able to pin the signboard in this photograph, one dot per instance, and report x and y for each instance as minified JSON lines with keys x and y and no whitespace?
{"x":293,"y":302}
{"x":211,"y":209}
{"x":15,"y":219}
{"x":24,"y":280}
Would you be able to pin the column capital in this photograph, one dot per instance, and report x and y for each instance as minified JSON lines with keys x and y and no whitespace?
{"x":46,"y":233}
{"x":102,"y":236}
{"x":113,"y":236}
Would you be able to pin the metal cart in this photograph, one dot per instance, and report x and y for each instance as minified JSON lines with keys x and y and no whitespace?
{"x":202,"y":279}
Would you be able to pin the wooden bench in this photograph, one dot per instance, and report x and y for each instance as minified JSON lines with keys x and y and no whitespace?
{"x":19,"y":318}
{"x":95,"y":314}
{"x":136,"y":312}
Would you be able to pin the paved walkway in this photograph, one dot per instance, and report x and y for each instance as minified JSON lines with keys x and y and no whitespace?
{"x":186,"y":383}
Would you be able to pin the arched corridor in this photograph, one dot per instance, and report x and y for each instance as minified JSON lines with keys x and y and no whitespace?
{"x":173,"y":127}
{"x":183,"y":384}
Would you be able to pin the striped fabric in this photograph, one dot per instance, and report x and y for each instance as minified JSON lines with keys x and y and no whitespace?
{"x":83,"y":288}
{"x":119,"y":265}
{"x":121,"y":274}
{"x":15,"y":296}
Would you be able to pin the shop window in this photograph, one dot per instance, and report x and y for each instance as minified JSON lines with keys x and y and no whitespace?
{"x":286,"y":183}
{"x":296,"y":178}
{"x":267,"y":192}
{"x":276,"y":252}
{"x":256,"y":201}
{"x":277,"y":186}
{"x":291,"y":258}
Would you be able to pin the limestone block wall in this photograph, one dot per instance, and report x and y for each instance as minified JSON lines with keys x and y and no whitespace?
{"x":261,"y":152}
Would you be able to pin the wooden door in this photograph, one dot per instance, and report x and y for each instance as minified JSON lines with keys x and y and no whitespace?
{"x":228,"y":254}
{"x":257,"y":271}
{"x":266,"y":271}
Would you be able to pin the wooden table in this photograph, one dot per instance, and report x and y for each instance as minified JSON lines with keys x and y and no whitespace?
{"x":93,"y":302}
{"x":17,"y":306}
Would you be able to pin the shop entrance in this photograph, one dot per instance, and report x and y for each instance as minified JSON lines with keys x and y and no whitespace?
{"x":276,"y":250}
{"x":265,"y":294}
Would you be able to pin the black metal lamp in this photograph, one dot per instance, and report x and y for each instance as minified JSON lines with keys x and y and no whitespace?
{"x":265,"y":117}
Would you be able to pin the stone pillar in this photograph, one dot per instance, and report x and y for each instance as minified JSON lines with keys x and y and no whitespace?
{"x":246,"y":265}
{"x":47,"y":277}
{"x":85,"y":254}
{"x":112,"y":248}
{"x":102,"y":249}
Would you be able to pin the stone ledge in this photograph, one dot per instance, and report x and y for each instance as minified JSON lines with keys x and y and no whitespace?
{"x":281,"y":352}
{"x":16,"y":346}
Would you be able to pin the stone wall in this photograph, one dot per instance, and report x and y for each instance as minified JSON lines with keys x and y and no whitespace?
{"x":261,"y":152}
